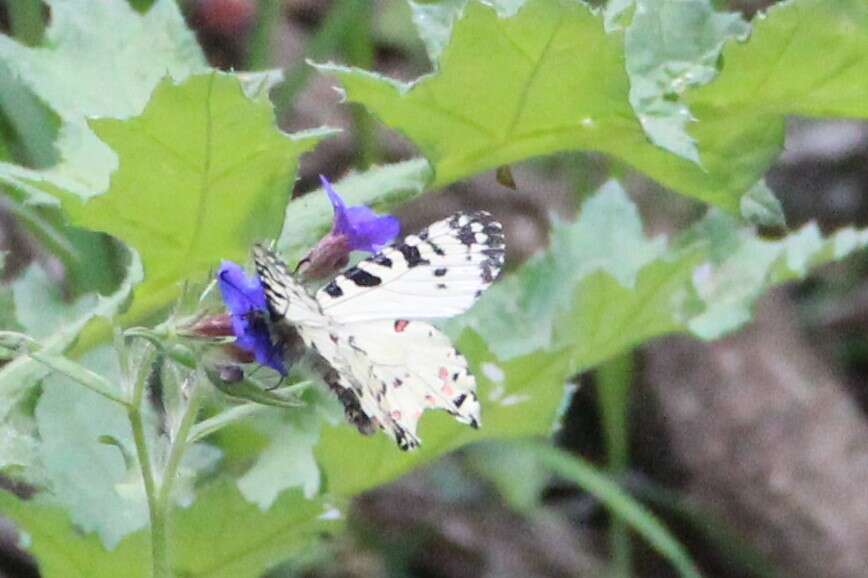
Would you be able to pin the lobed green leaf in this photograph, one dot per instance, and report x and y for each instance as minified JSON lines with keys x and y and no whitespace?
{"x":99,"y":60}
{"x":550,"y":78}
{"x":204,"y":173}
{"x":220,"y":535}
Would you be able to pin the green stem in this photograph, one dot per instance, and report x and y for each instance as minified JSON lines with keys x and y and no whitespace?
{"x":614,"y":379}
{"x":268,"y":12}
{"x":14,"y":343}
{"x":159,"y":537}
{"x":180,"y":443}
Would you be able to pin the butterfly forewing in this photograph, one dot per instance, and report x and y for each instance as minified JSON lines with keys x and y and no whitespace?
{"x":287,"y":299}
{"x":437,"y":273}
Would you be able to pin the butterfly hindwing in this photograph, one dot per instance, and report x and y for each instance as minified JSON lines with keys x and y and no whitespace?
{"x":437,"y":273}
{"x":409,"y":367}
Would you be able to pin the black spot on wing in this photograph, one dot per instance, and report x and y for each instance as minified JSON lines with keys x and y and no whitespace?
{"x":382,"y":260}
{"x":412,"y":255}
{"x":362,"y":278}
{"x":334,"y":290}
{"x":440,"y":272}
{"x":466,"y":236}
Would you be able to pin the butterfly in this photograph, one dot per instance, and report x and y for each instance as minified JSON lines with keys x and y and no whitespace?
{"x":366,"y":328}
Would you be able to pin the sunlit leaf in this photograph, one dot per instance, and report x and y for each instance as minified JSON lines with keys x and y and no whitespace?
{"x":83,"y":472}
{"x":99,"y":59}
{"x":287,"y":462}
{"x":671,"y":46}
{"x":19,"y":376}
{"x":204,"y":173}
{"x":220,"y":535}
{"x":551,"y":79}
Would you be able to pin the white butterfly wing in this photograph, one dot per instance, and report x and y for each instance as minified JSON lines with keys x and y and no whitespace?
{"x":287,"y":299}
{"x":404,"y":368}
{"x":437,"y":273}
{"x":389,"y":369}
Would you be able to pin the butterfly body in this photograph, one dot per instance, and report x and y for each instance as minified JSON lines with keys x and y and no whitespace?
{"x":367,"y":326}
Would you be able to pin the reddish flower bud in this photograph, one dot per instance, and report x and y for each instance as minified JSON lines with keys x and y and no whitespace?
{"x":213,"y":326}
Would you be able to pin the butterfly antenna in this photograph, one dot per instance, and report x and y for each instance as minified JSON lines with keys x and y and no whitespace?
{"x":276,"y":385}
{"x":300,"y":264}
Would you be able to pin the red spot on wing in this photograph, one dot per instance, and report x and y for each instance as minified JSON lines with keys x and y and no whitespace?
{"x":401,"y":325}
{"x":444,"y":375}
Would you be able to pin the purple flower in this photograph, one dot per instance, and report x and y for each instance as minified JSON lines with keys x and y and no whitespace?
{"x":363,"y":228}
{"x":355,"y":229}
{"x":245,"y":300}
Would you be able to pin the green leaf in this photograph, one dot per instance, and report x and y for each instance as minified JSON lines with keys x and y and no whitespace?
{"x":550,"y":79}
{"x":220,"y":535}
{"x":287,"y":462}
{"x":62,"y":551}
{"x":40,"y":307}
{"x":99,"y":60}
{"x":83,"y":473}
{"x":671,"y":46}
{"x":576,"y":294}
{"x":223,"y":535}
{"x":507,"y":89}
{"x":760,"y":206}
{"x":249,"y":390}
{"x":434,"y":20}
{"x":607,"y":237}
{"x":33,"y":123}
{"x":804,"y":57}
{"x":204,"y":173}
{"x":19,"y":377}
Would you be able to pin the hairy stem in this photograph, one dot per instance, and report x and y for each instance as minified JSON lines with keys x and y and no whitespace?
{"x":159,"y":537}
{"x":180,"y":442}
{"x":159,"y":540}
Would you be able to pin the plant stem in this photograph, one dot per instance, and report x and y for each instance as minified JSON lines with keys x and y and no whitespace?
{"x":614,"y":379}
{"x":180,"y":442}
{"x":268,"y":12}
{"x":159,"y":539}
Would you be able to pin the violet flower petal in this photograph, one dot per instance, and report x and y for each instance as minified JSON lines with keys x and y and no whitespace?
{"x":245,"y":299}
{"x":364,"y":229}
{"x":371,"y":232}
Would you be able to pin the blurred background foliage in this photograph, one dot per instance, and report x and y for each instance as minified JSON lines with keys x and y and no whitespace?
{"x":751,"y":450}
